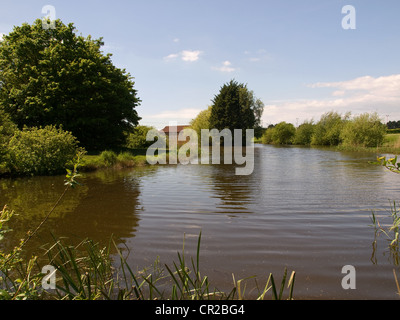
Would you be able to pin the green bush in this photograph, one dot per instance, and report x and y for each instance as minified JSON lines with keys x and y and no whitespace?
{"x":328,"y":130}
{"x":7,"y":129}
{"x":137,"y":139}
{"x":40,"y":151}
{"x":267,"y":136}
{"x":304,"y":133}
{"x":365,"y":130}
{"x":109,"y":158}
{"x":283,"y":133}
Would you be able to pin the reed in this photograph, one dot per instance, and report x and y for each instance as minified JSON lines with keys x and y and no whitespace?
{"x":90,"y":274}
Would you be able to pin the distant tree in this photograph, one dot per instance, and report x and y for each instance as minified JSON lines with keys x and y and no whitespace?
{"x":366,"y":130}
{"x":304,"y":133}
{"x":56,"y":77}
{"x":235,"y":107}
{"x":202,"y":121}
{"x":7,"y":130}
{"x":137,"y":138}
{"x":248,"y":100}
{"x":328,"y":129}
{"x":393,"y":124}
{"x":267,"y":136}
{"x":283,"y":133}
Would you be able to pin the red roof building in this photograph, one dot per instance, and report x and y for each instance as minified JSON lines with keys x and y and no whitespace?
{"x":174,"y":130}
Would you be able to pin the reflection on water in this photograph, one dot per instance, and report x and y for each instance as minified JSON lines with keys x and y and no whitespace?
{"x":302,"y":208}
{"x":105,"y":205}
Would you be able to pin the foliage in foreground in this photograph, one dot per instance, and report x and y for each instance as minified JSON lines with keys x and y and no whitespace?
{"x":392,"y":230}
{"x":87,"y":272}
{"x":92,"y":276}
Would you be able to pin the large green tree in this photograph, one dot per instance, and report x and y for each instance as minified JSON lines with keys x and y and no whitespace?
{"x":55,"y":77}
{"x":235,"y":107}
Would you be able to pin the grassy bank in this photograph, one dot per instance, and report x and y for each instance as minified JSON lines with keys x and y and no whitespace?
{"x":391,"y":145}
{"x":129,"y":158}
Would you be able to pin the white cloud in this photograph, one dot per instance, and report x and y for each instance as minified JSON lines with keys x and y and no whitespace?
{"x":176,"y":40}
{"x":226,"y":67}
{"x":363,"y":94}
{"x":185,"y":55}
{"x":171,"y":56}
{"x":387,"y":86}
{"x":190,"y":56}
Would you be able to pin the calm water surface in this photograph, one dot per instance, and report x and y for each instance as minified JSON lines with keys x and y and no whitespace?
{"x":305,"y":209}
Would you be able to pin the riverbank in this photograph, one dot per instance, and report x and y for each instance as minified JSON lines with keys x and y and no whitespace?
{"x":110,"y":159}
{"x":391,"y":145}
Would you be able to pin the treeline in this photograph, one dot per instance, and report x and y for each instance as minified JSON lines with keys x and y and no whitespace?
{"x":333,"y":129}
{"x":392,"y":125}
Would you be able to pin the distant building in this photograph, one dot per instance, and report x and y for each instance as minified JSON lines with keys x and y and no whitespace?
{"x":174,"y":130}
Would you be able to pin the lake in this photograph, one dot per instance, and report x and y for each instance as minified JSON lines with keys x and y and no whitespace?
{"x":307,"y":209}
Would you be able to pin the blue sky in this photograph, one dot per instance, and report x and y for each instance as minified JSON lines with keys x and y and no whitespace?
{"x":293,"y":54}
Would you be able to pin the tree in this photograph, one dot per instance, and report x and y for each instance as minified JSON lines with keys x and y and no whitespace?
{"x":235,"y":107}
{"x":137,"y":138}
{"x":327,"y":131}
{"x":248,"y":100}
{"x":55,"y":77}
{"x":283,"y":133}
{"x":365,"y":130}
{"x":267,"y":136}
{"x":304,"y":133}
{"x":202,"y":121}
{"x":393,"y":124}
{"x":7,"y":129}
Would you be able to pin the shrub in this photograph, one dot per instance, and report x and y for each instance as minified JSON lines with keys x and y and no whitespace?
{"x":365,"y":130}
{"x":267,"y":136}
{"x":304,"y":133}
{"x":137,"y":139}
{"x":283,"y":133}
{"x":40,"y":150}
{"x":328,"y":129}
{"x":109,"y":158}
{"x":7,"y":129}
